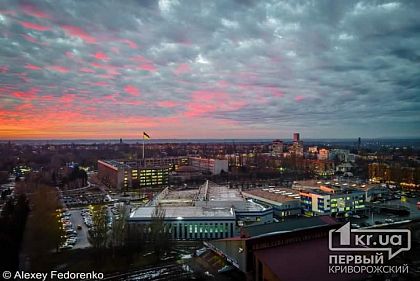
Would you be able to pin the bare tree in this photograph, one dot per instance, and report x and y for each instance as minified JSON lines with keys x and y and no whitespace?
{"x":98,"y":234}
{"x":118,"y":232}
{"x":159,"y":234}
{"x":44,"y":223}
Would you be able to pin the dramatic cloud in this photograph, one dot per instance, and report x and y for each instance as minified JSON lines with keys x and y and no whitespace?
{"x":209,"y":69}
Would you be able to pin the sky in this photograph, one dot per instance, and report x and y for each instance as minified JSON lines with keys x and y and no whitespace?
{"x":209,"y":69}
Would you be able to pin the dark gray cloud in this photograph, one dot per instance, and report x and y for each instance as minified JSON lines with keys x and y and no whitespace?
{"x":325,"y":68}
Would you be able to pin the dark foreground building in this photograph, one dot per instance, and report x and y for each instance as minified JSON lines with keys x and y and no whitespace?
{"x":293,"y":250}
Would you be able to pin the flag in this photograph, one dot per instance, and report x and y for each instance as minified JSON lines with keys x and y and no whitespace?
{"x":145,"y":136}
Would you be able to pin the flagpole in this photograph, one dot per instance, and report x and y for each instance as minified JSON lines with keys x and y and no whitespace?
{"x":143,"y":150}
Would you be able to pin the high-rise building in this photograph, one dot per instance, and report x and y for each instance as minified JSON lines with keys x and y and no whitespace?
{"x":296,"y":137}
{"x":277,"y":147}
{"x":323,"y":154}
{"x":297,"y":146}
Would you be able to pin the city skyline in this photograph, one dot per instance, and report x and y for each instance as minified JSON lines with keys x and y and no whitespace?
{"x":201,"y":70}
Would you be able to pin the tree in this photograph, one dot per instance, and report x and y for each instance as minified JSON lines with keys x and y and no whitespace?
{"x":119,"y":228}
{"x":159,"y":234}
{"x":44,"y":224}
{"x":98,"y":234}
{"x":12,"y":224}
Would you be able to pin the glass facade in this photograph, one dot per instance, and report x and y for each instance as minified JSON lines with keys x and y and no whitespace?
{"x":204,"y":230}
{"x":153,"y":177}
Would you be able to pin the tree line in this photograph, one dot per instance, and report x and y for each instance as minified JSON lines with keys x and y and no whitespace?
{"x":12,"y":224}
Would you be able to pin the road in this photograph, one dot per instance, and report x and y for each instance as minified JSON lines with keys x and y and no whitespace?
{"x":82,"y":235}
{"x":372,"y":217}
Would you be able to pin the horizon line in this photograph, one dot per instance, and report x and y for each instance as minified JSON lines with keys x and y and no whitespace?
{"x":241,"y":138}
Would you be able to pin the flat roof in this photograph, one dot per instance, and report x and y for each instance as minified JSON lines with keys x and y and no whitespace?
{"x":336,"y":192}
{"x":249,"y":207}
{"x":307,"y":260}
{"x":334,"y":184}
{"x":290,"y":224}
{"x":131,"y":164}
{"x":180,"y":213}
{"x":181,"y":194}
{"x":115,"y":163}
{"x":223,"y":193}
{"x":274,"y":194}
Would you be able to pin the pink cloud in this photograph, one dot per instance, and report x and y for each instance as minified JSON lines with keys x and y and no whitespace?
{"x":299,"y":98}
{"x":223,"y":84}
{"x":30,"y":38}
{"x":100,"y":83}
{"x":167,"y":104}
{"x":34,"y":26}
{"x":110,"y":97}
{"x":8,"y":12}
{"x":205,"y":102}
{"x":23,"y":76}
{"x":32,"y":67}
{"x":115,"y":50}
{"x":4,"y":68}
{"x":182,"y":68}
{"x":78,"y":32}
{"x":58,"y":68}
{"x":26,"y":96}
{"x":110,"y":69}
{"x":131,"y":90}
{"x":133,"y":102}
{"x":130,"y":43}
{"x":148,"y":67}
{"x":101,"y":56}
{"x":67,"y":98}
{"x":69,"y":54}
{"x":33,"y":11}
{"x":87,"y":70}
{"x":276,"y":92}
{"x":144,"y":63}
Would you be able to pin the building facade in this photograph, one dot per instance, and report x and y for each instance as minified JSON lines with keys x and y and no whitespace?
{"x":210,"y":212}
{"x":277,"y":147}
{"x":129,"y":174}
{"x":213,"y":166}
{"x":331,"y":201}
{"x":285,"y":202}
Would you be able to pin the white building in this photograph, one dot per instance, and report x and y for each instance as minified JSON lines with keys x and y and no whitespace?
{"x":211,"y":212}
{"x":214,"y":166}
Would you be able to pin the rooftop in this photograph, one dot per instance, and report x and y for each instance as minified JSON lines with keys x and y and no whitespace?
{"x":288,"y":225}
{"x":116,"y":164}
{"x":184,"y":213}
{"x":223,"y":193}
{"x":274,"y":194}
{"x":313,"y":254}
{"x":332,"y":183}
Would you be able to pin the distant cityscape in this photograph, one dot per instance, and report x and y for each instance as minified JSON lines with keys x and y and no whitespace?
{"x":196,"y":202}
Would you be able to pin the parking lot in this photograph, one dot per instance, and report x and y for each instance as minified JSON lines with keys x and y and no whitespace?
{"x":82,"y":234}
{"x":83,"y":198}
